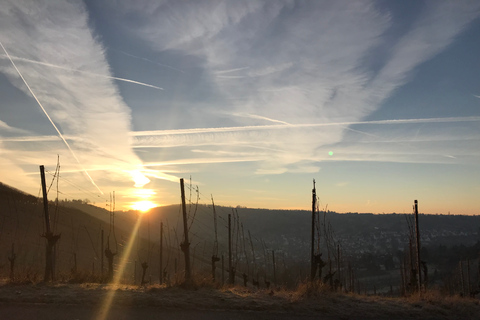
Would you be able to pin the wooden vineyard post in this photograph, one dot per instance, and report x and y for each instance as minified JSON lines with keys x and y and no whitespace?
{"x":312,"y":258}
{"x":49,"y":236}
{"x":185,"y":245}
{"x":253,"y":257}
{"x":417,"y":233}
{"x":215,"y":258}
{"x":223,"y":271}
{"x":274,"y":269}
{"x":101,"y":257}
{"x":462,"y":278}
{"x":11,"y":259}
{"x":144,"y":272}
{"x":339,"y":275}
{"x":231,"y":272}
{"x":469,"y":290}
{"x":160,"y":275}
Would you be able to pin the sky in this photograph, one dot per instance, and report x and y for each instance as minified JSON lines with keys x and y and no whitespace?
{"x":248,"y":101}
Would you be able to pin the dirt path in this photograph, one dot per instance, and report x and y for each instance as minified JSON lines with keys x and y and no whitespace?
{"x":82,"y":302}
{"x":76,"y":312}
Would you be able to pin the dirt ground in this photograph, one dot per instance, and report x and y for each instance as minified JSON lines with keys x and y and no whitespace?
{"x":82,"y":302}
{"x":55,"y":312}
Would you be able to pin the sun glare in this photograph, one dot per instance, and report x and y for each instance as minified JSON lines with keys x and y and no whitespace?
{"x":143,"y":205}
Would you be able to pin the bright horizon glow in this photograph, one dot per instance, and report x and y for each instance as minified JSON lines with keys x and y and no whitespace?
{"x":143,"y":206}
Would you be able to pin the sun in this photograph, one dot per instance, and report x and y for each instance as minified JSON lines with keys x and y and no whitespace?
{"x":143,"y":206}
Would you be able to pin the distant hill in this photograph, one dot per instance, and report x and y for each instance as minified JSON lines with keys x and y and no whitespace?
{"x":366,"y":240}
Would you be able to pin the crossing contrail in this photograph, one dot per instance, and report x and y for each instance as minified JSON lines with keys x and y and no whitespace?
{"x":306,"y":125}
{"x":84,"y":72}
{"x":50,"y":119}
{"x":254,"y":116}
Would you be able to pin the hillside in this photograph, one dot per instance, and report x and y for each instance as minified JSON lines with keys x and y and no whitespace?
{"x":371,"y":245}
{"x":79,"y":250}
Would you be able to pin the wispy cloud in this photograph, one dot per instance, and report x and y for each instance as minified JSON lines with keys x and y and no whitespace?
{"x":6,"y":127}
{"x":51,"y":121}
{"x":82,"y":72}
{"x":148,"y":60}
{"x":298,"y":65}
{"x":199,"y":161}
{"x":342,"y":184}
{"x":261,"y":134}
{"x":80,"y":97}
{"x":234,"y":70}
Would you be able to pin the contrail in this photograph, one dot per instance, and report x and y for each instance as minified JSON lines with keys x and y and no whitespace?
{"x":254,"y":116}
{"x":231,"y":70}
{"x":200,"y":161}
{"x":84,"y":72}
{"x":29,"y":139}
{"x":51,"y":121}
{"x":230,"y":77}
{"x":293,"y":126}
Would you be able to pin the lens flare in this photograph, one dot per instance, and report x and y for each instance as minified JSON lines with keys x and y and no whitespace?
{"x":107,"y":303}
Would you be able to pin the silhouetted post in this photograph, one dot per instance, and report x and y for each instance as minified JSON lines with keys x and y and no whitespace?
{"x":231,"y":276}
{"x":417,"y":232}
{"x":274,"y":269}
{"x":215,"y":258}
{"x":12,"y":258}
{"x":101,"y":259}
{"x":74,"y":263}
{"x":175,"y":269}
{"x":45,"y":200}
{"x":312,"y":258}
{"x":135,"y":273}
{"x":110,"y":255}
{"x":185,"y":245}
{"x":339,"y":276}
{"x":468,"y":276}
{"x":245,"y":250}
{"x":51,"y":238}
{"x":462,"y":278}
{"x":160,"y":273}
{"x":223,"y":271}
{"x":144,"y":272}
{"x":253,"y":255}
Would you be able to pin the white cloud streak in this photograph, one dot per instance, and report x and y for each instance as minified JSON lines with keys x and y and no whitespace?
{"x":305,"y":65}
{"x":81,"y":98}
{"x":306,"y":125}
{"x":84,"y":72}
{"x":6,"y":127}
{"x":51,"y":121}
